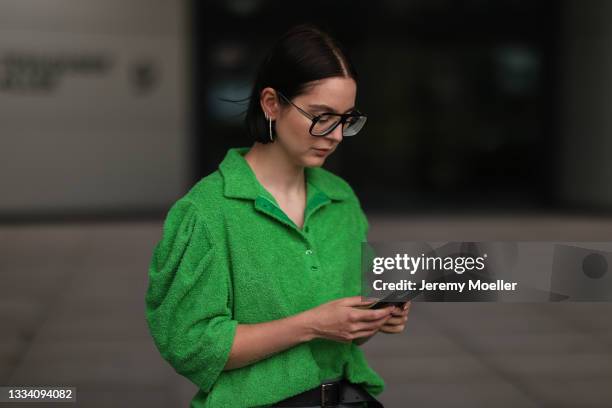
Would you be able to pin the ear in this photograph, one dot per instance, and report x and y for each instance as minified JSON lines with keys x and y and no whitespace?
{"x":269,"y":102}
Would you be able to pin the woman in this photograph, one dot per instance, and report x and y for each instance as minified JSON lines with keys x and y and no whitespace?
{"x":254,"y":287}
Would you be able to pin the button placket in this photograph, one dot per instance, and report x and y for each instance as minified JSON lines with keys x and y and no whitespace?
{"x":317,"y":201}
{"x":312,"y":261}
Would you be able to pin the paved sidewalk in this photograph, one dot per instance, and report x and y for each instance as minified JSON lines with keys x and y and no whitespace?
{"x":72,"y":313}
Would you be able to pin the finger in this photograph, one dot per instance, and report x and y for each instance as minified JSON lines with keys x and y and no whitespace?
{"x":394,"y":321}
{"x":392,"y":329}
{"x":364,"y":333}
{"x":377,"y":314}
{"x":365,"y":315}
{"x":371,"y":325}
{"x":398,"y":311}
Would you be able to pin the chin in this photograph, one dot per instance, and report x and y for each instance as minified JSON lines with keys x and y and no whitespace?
{"x":313,"y":161}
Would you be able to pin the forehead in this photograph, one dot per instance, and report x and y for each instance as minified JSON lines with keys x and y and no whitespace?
{"x":338,"y":93}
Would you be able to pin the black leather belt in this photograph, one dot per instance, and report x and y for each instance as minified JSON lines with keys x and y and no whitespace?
{"x":330,"y":394}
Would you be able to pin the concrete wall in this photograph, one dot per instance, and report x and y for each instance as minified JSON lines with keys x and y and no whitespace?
{"x":92,"y":105}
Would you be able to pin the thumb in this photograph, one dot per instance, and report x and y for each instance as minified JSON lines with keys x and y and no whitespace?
{"x":358,"y":301}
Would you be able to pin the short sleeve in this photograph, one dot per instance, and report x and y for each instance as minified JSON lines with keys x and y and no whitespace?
{"x":188,"y":302}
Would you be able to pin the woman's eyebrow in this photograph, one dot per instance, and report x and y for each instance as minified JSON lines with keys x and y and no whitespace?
{"x":326,"y":108}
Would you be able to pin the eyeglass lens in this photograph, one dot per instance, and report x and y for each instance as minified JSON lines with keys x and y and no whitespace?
{"x":351,"y":126}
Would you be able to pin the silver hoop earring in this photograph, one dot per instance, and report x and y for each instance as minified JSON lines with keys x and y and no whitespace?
{"x":270,"y":127}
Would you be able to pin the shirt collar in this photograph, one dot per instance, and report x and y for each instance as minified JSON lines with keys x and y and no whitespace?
{"x":240,"y":181}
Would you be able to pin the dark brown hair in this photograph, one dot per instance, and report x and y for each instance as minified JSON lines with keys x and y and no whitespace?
{"x":303,"y":54}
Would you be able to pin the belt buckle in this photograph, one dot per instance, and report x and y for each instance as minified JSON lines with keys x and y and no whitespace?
{"x":330,"y":394}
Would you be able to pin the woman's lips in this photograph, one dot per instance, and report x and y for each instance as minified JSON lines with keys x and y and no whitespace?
{"x":322,"y":151}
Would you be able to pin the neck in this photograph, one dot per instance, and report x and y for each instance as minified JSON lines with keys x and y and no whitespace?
{"x":275,"y":170}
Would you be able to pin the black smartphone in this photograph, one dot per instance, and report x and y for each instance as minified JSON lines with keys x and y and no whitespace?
{"x":392,"y":300}
{"x":382,"y":304}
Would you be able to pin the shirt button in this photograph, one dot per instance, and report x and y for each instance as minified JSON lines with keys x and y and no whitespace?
{"x":306,"y":229}
{"x":314,"y":267}
{"x":308,"y":251}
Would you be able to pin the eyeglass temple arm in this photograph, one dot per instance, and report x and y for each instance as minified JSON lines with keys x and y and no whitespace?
{"x":311,"y":117}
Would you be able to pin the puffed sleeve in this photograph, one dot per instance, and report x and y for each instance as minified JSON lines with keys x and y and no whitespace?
{"x":188,"y":301}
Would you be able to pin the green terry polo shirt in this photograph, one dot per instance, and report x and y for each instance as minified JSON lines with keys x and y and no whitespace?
{"x":228,"y":255}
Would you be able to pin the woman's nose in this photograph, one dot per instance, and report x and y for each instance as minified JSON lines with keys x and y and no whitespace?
{"x":336,"y":134}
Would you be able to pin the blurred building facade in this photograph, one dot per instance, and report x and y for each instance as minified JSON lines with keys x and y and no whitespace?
{"x":93,"y":107}
{"x":118,"y":107}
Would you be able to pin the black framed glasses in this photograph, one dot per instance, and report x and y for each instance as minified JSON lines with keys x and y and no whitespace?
{"x":326,"y":122}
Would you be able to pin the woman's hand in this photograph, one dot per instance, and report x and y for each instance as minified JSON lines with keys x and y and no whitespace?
{"x":397,"y":323}
{"x":342,"y":319}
